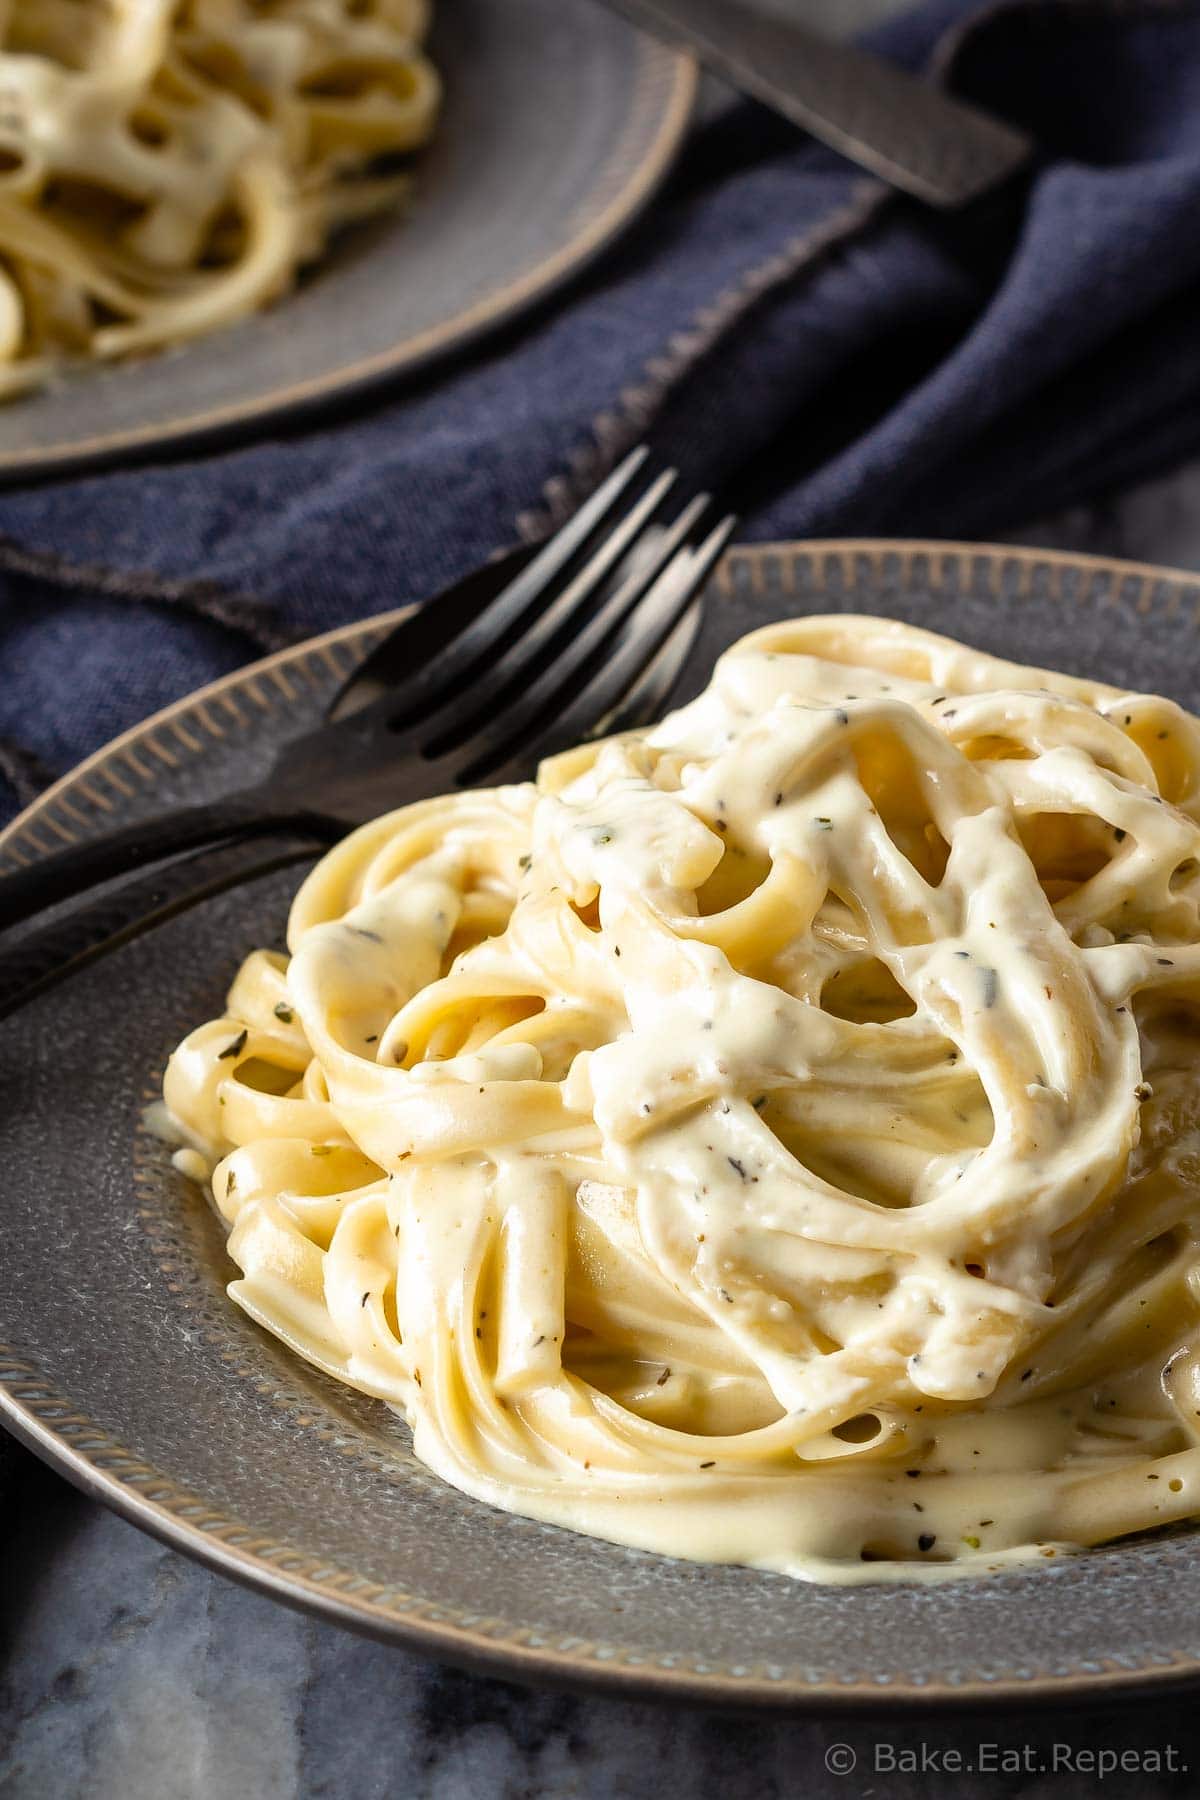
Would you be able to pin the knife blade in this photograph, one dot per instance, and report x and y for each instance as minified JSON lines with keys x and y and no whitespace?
{"x":914,"y":135}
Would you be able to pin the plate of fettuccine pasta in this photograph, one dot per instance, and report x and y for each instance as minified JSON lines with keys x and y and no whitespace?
{"x":217,"y":211}
{"x":719,"y":1219}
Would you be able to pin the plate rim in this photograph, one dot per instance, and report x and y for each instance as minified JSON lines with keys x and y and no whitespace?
{"x":93,"y":1460}
{"x":413,"y":355}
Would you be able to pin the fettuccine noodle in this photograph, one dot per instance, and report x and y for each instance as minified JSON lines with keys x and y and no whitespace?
{"x":773,"y":1137}
{"x":167,"y":165}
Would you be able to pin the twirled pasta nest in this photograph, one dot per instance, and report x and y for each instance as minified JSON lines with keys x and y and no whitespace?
{"x":768,"y":1138}
{"x":166,"y":166}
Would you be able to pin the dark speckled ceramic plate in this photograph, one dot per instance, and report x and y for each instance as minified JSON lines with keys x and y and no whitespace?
{"x":559,"y":122}
{"x":125,"y":1366}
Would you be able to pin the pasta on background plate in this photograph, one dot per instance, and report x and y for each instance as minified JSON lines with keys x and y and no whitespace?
{"x":773,"y":1137}
{"x":166,"y":166}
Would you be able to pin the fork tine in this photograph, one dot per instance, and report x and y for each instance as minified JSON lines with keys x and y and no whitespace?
{"x":492,"y":735}
{"x":649,"y":694}
{"x":581,"y":623}
{"x":424,"y":630}
{"x":644,"y":702}
{"x":462,"y":712}
{"x":629,"y":645}
{"x":590,"y":711}
{"x":463,"y":652}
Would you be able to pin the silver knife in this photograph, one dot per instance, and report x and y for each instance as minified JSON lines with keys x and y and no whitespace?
{"x":914,"y":135}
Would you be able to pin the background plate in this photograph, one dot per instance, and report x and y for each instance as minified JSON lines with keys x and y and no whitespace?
{"x":125,"y":1366}
{"x":559,"y":122}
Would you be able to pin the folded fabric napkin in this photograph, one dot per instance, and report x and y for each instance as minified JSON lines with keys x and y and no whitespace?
{"x":844,"y":360}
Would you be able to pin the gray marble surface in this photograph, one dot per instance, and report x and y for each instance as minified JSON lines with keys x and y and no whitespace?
{"x":129,"y":1673}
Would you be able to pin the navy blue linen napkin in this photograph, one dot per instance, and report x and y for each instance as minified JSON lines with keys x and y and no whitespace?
{"x":847,"y":360}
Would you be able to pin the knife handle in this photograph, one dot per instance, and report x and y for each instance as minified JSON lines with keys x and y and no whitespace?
{"x":915,"y":136}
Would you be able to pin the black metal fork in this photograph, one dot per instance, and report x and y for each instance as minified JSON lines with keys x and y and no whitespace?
{"x":523,"y":657}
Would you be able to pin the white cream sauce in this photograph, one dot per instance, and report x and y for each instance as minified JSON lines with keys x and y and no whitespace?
{"x":772,"y":1138}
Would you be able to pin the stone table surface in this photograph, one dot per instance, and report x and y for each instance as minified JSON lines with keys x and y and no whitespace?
{"x":129,"y":1673}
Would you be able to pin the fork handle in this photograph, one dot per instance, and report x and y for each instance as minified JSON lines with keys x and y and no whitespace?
{"x":73,"y":871}
{"x":41,"y":956}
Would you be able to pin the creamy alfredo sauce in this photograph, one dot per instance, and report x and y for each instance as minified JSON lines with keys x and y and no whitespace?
{"x":166,"y":166}
{"x":771,"y":1138}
